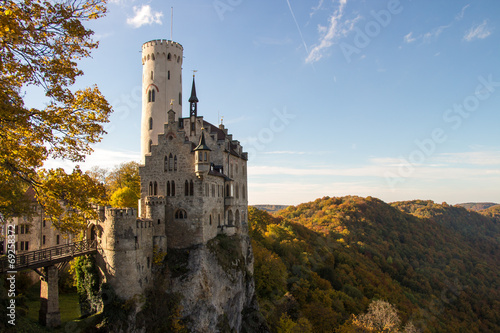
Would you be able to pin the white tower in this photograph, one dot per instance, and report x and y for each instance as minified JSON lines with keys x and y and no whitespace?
{"x":161,"y":83}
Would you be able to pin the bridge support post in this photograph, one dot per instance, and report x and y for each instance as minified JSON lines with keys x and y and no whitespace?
{"x":49,"y":314}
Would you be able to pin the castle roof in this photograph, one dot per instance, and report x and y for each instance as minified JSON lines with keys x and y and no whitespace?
{"x":202,"y":145}
{"x":193,"y":98}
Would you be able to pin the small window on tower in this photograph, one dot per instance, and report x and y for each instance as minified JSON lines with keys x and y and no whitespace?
{"x":152,"y":95}
{"x":169,"y":57}
{"x":150,"y":123}
{"x":180,"y":98}
{"x":149,"y":96}
{"x":168,"y":75}
{"x":149,"y":146}
{"x":175,"y":163}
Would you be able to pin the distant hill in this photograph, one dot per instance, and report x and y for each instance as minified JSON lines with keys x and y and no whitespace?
{"x":319,"y":263}
{"x":476,"y":205}
{"x":270,"y":208}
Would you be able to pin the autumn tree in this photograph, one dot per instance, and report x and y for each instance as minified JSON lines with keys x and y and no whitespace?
{"x":40,"y":44}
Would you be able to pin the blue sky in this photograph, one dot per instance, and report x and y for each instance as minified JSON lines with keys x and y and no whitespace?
{"x":398,"y":100}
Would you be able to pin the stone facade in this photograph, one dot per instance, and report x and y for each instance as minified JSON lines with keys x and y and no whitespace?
{"x":193,"y":181}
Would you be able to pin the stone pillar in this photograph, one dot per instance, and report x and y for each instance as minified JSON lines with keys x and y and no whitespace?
{"x":49,"y":314}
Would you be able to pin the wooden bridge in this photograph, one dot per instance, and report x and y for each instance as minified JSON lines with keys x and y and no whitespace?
{"x":48,"y":257}
{"x":51,"y":260}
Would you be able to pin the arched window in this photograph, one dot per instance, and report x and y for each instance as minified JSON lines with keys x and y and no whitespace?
{"x":152,"y":95}
{"x":173,"y":188}
{"x":191,"y":188}
{"x":152,"y":56}
{"x":149,"y":95}
{"x":165,"y":164}
{"x":169,"y":57}
{"x":150,"y":123}
{"x":178,"y":59}
{"x":218,"y":219}
{"x":170,"y":161}
{"x":168,"y":189}
{"x":175,"y":163}
{"x":155,"y":188}
{"x":150,"y":190}
{"x":237,"y":192}
{"x":149,"y":145}
{"x":180,"y":214}
{"x":186,"y":188}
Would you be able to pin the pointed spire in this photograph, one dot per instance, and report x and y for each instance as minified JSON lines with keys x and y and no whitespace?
{"x":202,"y":145}
{"x":193,"y":98}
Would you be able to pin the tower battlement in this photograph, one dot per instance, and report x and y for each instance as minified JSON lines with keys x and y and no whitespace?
{"x":110,"y":212}
{"x":161,"y":42}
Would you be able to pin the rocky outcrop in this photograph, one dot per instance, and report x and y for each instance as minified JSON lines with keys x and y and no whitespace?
{"x":216,"y":285}
{"x":203,"y":288}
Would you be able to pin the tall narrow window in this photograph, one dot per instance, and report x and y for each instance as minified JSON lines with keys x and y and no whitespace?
{"x":186,"y":188}
{"x":191,"y":188}
{"x":149,"y":145}
{"x":149,"y":95}
{"x":168,"y":189}
{"x":173,"y":188}
{"x":150,"y":123}
{"x":165,"y":164}
{"x":57,"y":240}
{"x":43,"y":239}
{"x":170,"y":162}
{"x":243,"y":192}
{"x":237,"y":192}
{"x":210,"y":220}
{"x":150,"y":192}
{"x":152,"y":95}
{"x":169,"y":57}
{"x":168,"y":75}
{"x":175,"y":163}
{"x":180,"y":98}
{"x":205,"y":156}
{"x":155,"y":188}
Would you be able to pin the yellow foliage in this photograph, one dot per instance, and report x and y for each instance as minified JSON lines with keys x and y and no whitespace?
{"x":40,"y":41}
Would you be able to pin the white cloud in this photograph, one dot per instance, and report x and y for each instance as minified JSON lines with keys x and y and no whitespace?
{"x":100,"y":157}
{"x":478,"y":32}
{"x":409,"y":38}
{"x":144,"y":15}
{"x":335,"y":29}
{"x":318,"y":7}
{"x":462,"y":12}
{"x":435,"y":33}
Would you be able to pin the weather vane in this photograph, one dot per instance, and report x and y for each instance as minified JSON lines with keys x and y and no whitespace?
{"x":194,"y":71}
{"x":172,"y":102}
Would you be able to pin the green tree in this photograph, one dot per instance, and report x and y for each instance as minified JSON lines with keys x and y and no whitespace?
{"x":40,"y":42}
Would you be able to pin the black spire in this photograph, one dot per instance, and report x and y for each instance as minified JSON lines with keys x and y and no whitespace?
{"x":202,"y":145}
{"x":193,"y":100}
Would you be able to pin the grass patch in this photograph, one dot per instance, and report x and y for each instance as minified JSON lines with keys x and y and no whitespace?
{"x":68,"y":305}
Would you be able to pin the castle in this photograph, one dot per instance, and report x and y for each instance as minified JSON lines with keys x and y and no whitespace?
{"x":193,"y":180}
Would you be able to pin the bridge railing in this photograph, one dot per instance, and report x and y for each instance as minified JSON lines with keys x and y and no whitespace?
{"x":47,"y":256}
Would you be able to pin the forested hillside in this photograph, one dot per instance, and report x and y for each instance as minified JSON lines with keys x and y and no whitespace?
{"x":319,"y":265}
